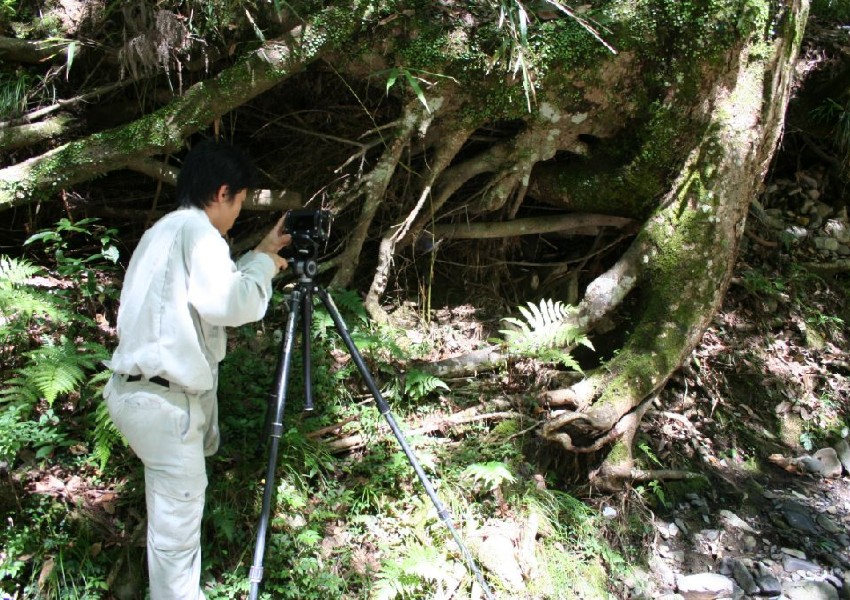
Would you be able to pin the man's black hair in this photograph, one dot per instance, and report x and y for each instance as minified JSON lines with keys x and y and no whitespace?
{"x":210,"y":165}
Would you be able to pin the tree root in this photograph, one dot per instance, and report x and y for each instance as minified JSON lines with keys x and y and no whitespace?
{"x":445,"y":153}
{"x":373,"y":187}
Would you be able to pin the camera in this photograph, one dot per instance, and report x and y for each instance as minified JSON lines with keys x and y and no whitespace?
{"x":309,"y":229}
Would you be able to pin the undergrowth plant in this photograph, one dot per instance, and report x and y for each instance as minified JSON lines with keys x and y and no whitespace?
{"x":545,"y":332}
{"x":51,"y":376}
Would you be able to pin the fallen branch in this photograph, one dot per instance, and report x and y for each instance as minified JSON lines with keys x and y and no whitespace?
{"x":431,"y":425}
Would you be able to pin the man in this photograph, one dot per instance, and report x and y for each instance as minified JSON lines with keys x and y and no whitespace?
{"x":180,"y":292}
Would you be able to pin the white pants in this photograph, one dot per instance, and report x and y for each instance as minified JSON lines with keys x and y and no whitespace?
{"x":171,"y":430}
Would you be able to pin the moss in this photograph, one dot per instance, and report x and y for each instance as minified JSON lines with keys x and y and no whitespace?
{"x":620,"y":453}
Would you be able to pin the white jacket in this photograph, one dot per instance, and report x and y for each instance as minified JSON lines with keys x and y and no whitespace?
{"x":180,"y":291}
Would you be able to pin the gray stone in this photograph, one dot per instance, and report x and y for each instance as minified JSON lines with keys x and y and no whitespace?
{"x":704,"y":586}
{"x":809,"y":590}
{"x":769,"y":584}
{"x":826,"y":243}
{"x":791,"y":564}
{"x":828,"y":524}
{"x":837,"y":229}
{"x":663,"y":571}
{"x":795,"y":233}
{"x":739,"y":571}
{"x":798,"y":517}
{"x":831,"y":465}
{"x":842,"y":449}
{"x":735,"y":522}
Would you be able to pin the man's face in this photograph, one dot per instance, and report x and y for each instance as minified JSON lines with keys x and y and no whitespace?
{"x":232,"y":208}
{"x":224,"y":208}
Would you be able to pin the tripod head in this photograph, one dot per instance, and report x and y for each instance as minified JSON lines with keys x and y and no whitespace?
{"x":309,"y":230}
{"x":305,"y":268}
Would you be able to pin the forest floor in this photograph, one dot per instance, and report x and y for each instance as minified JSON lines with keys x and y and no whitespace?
{"x":761,"y":411}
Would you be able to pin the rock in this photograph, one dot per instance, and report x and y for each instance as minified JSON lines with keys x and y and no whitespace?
{"x":844,"y":590}
{"x":828,"y":524}
{"x":806,"y":180}
{"x":827,"y":244}
{"x":798,"y":517}
{"x":662,"y":570}
{"x":768,"y":583}
{"x":792,"y":552}
{"x":496,"y":553}
{"x":809,"y":590}
{"x":735,"y":522}
{"x":838,"y":230}
{"x":795,"y":234}
{"x":750,"y":542}
{"x":739,"y":571}
{"x":830,"y":464}
{"x":704,"y":586}
{"x":791,"y":564}
{"x":842,"y":450}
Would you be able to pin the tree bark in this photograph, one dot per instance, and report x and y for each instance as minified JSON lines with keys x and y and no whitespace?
{"x":164,"y":130}
{"x":689,"y":245}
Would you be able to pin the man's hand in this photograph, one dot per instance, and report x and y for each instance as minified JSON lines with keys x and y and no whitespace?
{"x":274,"y":241}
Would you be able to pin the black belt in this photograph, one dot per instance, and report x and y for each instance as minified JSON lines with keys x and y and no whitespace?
{"x":155,"y":379}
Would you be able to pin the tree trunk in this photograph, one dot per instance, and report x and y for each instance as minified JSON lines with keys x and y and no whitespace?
{"x":685,"y":253}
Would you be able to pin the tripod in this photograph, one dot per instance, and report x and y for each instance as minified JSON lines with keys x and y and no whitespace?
{"x":301,"y":306}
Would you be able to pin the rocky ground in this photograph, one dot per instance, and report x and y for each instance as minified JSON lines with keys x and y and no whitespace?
{"x":762,"y":411}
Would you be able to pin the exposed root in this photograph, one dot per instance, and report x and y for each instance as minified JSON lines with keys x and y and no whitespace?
{"x":373,"y":187}
{"x":446,"y":151}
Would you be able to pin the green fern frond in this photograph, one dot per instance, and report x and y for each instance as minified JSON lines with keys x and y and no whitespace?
{"x":54,"y":370}
{"x":349,"y":302}
{"x":17,"y":301}
{"x":106,"y":435}
{"x":544,"y":326}
{"x":544,"y":332}
{"x":403,"y":578}
{"x":418,"y":384}
{"x":15,"y":271}
{"x":425,"y":562}
{"x":490,"y":474}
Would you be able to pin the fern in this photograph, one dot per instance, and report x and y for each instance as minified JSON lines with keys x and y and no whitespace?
{"x":404,"y":578}
{"x":544,"y":332}
{"x":490,"y":474}
{"x":53,"y":370}
{"x":105,"y":435}
{"x":418,"y":384}
{"x":18,"y":302}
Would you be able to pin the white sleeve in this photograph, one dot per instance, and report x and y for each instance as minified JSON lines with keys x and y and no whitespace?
{"x":224,"y":294}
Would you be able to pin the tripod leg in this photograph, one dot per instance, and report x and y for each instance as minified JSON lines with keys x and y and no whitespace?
{"x":306,"y":320}
{"x":275,"y":431}
{"x":384,"y":409}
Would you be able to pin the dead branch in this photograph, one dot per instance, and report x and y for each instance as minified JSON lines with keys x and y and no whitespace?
{"x":587,"y":224}
{"x":14,"y":50}
{"x":431,"y":425}
{"x":483,"y":359}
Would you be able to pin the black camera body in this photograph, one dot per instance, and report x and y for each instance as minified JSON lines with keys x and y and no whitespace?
{"x":309,"y":230}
